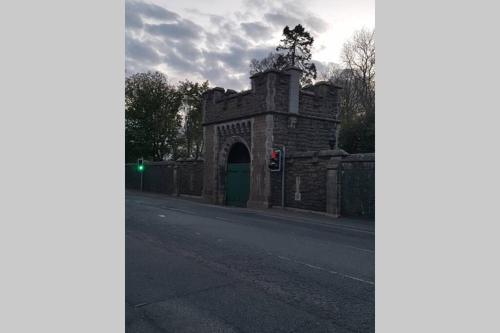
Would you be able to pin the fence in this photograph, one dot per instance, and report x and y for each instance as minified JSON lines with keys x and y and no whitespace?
{"x":169,"y":177}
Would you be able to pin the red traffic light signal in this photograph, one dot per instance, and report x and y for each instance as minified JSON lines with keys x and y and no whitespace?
{"x":275,"y":161}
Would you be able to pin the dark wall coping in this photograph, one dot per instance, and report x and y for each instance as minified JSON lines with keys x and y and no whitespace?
{"x":367,"y":157}
{"x":170,"y":163}
{"x":267,"y":72}
{"x":233,"y":95}
{"x":250,"y":115}
{"x":319,"y":153}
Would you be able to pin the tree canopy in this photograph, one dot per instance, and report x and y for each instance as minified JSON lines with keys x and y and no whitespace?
{"x":356,"y":76}
{"x":294,"y":49}
{"x":192,"y":132}
{"x":162,"y":120}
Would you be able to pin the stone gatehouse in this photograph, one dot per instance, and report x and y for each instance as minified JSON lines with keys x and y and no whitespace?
{"x":240,"y":130}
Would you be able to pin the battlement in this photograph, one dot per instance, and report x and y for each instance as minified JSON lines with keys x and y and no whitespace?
{"x":272,"y":91}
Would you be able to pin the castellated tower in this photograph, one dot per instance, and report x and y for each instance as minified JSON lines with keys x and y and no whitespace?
{"x":240,"y":130}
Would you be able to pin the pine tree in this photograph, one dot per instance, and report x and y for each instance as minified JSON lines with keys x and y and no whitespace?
{"x":296,"y":45}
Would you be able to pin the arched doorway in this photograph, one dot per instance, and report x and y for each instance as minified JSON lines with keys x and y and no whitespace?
{"x":238,"y":175}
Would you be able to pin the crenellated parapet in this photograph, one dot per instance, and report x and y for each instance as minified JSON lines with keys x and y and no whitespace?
{"x":273,"y":91}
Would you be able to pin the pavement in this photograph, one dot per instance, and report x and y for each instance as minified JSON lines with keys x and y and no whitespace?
{"x":195,"y":267}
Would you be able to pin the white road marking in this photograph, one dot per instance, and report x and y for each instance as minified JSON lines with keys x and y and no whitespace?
{"x":358,"y":248}
{"x":181,"y":210}
{"x":326,"y":270}
{"x":312,"y":266}
{"x":161,"y":215}
{"x":325,"y":224}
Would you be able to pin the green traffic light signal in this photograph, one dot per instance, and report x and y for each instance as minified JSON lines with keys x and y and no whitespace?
{"x":140,"y":164}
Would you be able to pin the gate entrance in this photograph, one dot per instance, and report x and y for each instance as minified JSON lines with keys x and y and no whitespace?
{"x":238,"y":176}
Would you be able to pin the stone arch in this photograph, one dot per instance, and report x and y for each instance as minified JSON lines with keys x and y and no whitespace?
{"x":222,"y":163}
{"x":226,"y":148}
{"x":238,"y":154}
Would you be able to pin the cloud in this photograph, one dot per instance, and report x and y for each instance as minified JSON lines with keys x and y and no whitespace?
{"x":206,"y":46}
{"x":136,"y":50}
{"x":180,"y":30}
{"x":316,"y":24}
{"x":176,"y":60}
{"x":149,"y":10}
{"x":256,"y":29}
{"x":313,"y":23}
{"x":281,"y":20}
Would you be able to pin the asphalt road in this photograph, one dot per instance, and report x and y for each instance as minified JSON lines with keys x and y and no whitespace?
{"x":192,"y":267}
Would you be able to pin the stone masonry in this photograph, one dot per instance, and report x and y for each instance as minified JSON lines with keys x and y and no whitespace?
{"x":275,"y":112}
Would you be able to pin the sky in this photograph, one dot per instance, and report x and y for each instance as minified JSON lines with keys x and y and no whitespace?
{"x":215,"y":40}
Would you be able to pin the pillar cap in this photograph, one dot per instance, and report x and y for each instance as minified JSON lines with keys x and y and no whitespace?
{"x":334,"y":153}
{"x":293,"y":68}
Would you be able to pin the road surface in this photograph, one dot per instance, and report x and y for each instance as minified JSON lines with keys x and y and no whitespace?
{"x":194,"y":267}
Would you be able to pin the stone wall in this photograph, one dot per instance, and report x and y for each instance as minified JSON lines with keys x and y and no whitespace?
{"x":300,"y":134}
{"x":190,"y":177}
{"x":305,"y":179}
{"x":309,"y":177}
{"x":320,"y":100}
{"x":168,"y":177}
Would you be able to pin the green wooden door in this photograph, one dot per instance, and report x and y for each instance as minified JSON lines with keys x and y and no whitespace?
{"x":237,"y":184}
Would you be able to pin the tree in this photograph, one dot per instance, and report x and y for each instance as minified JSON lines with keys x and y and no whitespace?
{"x":297,"y":45}
{"x":152,"y":118}
{"x":356,"y":75}
{"x":357,"y":133}
{"x":192,"y":138}
{"x":294,"y":50}
{"x":358,"y":56}
{"x":272,"y":61}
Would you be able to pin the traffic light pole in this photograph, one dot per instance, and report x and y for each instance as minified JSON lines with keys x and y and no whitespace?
{"x":141,"y":163}
{"x":141,"y":180}
{"x":283,"y":179}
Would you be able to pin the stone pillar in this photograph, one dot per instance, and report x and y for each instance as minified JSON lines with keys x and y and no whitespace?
{"x":270,"y":91}
{"x":176,"y":180}
{"x":260,"y":175}
{"x":218,"y":93}
{"x":333,"y":184}
{"x":294,"y":88}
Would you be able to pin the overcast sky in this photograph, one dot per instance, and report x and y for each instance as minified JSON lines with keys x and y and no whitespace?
{"x":216,"y":39}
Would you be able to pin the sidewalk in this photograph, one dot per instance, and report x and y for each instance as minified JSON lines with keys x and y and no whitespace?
{"x":291,"y":214}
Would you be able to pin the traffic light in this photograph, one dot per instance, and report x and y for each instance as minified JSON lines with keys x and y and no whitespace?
{"x":275,"y":161}
{"x":140,"y":164}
